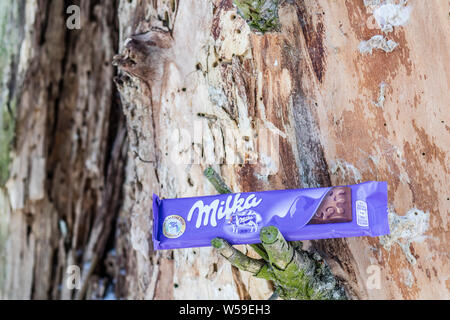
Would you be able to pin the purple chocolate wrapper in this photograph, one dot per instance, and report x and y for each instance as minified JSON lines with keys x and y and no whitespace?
{"x":300,"y":214}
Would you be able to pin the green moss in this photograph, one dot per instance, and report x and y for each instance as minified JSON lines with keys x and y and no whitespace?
{"x":259,"y":249}
{"x":299,"y":274}
{"x":217,"y":243}
{"x":11,"y":27}
{"x":266,"y":273}
{"x":293,"y":284}
{"x":216,"y":181}
{"x":7,"y":127}
{"x":261,"y":15}
{"x":269,"y":234}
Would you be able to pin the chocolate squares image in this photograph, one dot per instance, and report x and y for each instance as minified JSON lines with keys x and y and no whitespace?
{"x":336,"y":207}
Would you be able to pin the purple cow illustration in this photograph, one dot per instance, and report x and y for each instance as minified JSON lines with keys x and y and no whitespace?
{"x":246,"y":221}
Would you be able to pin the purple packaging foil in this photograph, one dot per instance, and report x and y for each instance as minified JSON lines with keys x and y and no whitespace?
{"x":300,"y":214}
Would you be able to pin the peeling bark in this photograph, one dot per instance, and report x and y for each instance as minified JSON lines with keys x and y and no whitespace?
{"x":309,"y":88}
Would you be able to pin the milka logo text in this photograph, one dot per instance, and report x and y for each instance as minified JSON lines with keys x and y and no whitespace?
{"x":218,"y":210}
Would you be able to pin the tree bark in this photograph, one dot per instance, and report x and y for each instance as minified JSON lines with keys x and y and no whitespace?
{"x":66,"y":175}
{"x":296,"y":107}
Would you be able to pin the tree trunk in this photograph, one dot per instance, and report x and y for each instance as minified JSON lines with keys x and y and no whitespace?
{"x":67,"y":168}
{"x":303,"y":105}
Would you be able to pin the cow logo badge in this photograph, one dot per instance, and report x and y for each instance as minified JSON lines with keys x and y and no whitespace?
{"x":247,"y":221}
{"x":174,"y":226}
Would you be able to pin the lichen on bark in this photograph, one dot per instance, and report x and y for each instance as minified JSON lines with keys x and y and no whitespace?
{"x":261,"y":15}
{"x":11,"y":33}
{"x":6,"y":141}
{"x":9,"y":12}
{"x":296,"y":274}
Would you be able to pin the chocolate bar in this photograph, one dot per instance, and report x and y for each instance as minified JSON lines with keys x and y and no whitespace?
{"x":336,"y":207}
{"x":300,"y":214}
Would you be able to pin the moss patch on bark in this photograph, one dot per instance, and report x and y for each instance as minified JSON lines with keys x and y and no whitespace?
{"x":7,"y":126}
{"x":10,"y":12}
